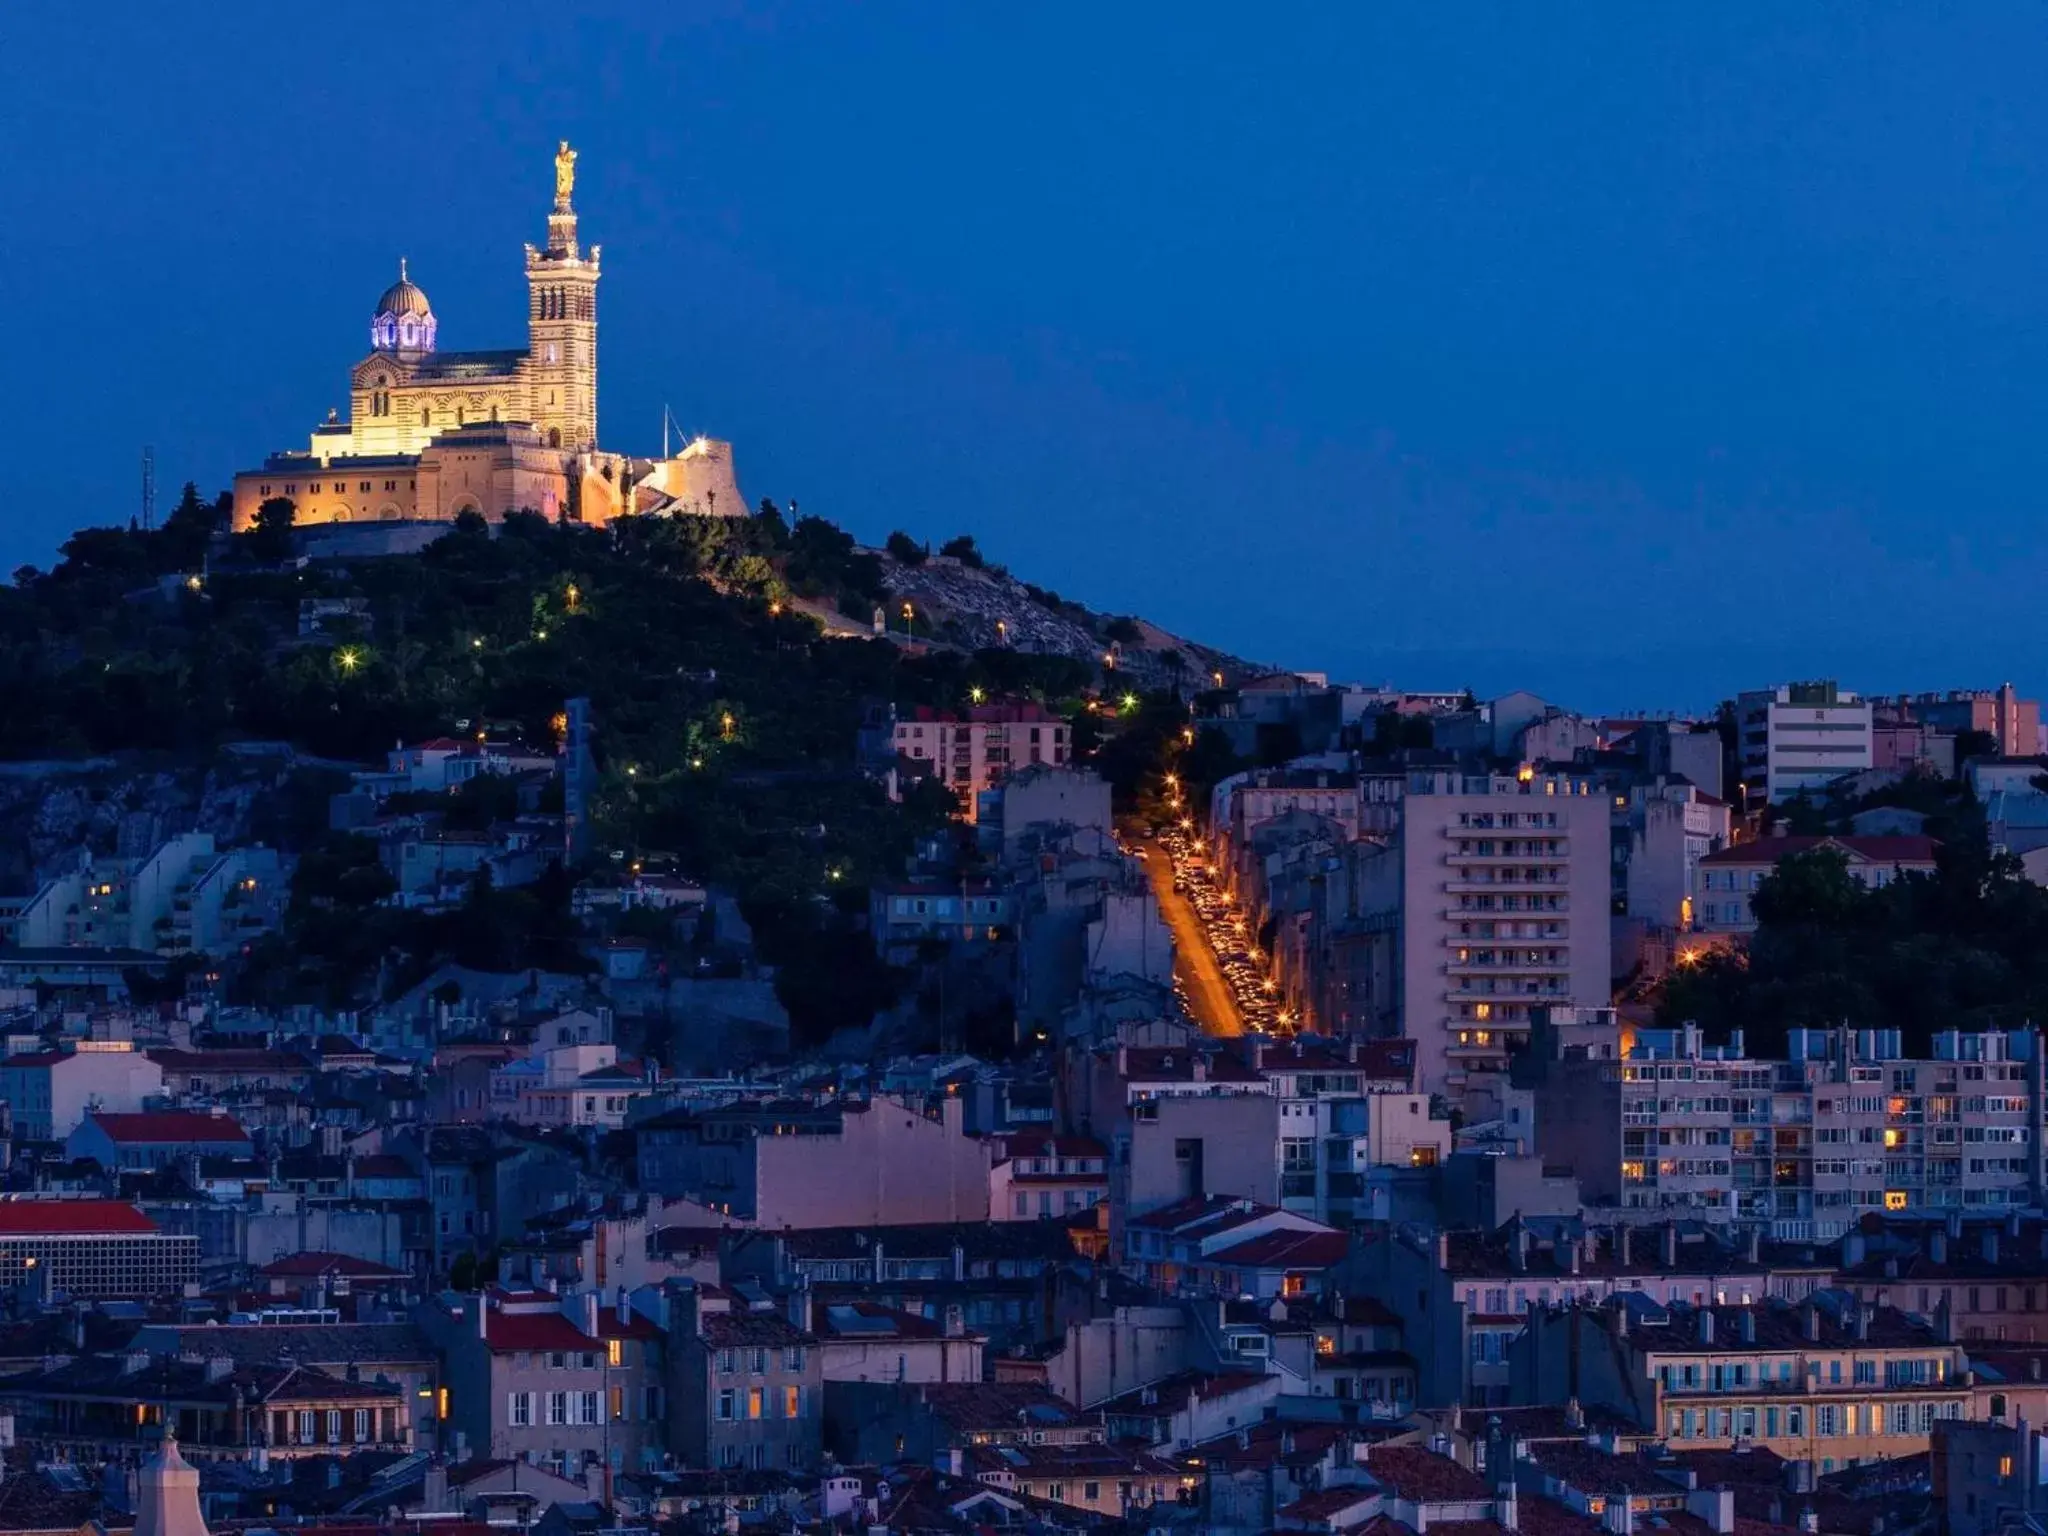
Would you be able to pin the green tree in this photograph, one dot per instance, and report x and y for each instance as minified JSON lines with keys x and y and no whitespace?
{"x":906,"y":549}
{"x":270,"y":536}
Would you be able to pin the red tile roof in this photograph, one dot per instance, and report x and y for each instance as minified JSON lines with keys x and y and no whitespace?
{"x":311,"y":1265}
{"x":1325,"y":1504}
{"x":1285,"y":1249}
{"x":54,"y":1218}
{"x":169,"y":1125}
{"x":518,"y":1332}
{"x":1422,"y":1477}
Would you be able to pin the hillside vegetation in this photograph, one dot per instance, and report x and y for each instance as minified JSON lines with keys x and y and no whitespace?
{"x":726,"y":723}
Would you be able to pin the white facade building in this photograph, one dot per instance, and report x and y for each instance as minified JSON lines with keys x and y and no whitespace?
{"x":1671,"y":827}
{"x":1505,"y":890}
{"x":1800,"y":738}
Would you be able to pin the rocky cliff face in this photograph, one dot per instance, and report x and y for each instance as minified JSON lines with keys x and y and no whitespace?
{"x":975,"y":607}
{"x":116,"y":807}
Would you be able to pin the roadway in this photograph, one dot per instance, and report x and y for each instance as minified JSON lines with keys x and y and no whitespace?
{"x":1194,"y":959}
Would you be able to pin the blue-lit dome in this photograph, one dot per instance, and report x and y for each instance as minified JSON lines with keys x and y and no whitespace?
{"x":404,"y":321}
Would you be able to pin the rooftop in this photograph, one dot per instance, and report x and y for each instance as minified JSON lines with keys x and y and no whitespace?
{"x":56,"y":1218}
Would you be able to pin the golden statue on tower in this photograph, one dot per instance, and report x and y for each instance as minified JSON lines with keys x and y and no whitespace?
{"x":565,"y":172}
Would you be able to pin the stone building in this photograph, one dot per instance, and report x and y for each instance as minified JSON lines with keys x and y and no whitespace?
{"x":565,"y":1382}
{"x":430,"y":435}
{"x":747,"y":1383}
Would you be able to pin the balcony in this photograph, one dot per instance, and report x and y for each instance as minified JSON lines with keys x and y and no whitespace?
{"x":1503,"y":968}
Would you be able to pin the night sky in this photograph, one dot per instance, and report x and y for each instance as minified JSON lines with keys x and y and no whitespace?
{"x":1634,"y":354}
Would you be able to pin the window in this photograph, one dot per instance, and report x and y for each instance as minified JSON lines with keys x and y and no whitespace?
{"x":519,"y":1410}
{"x":558,"y":1407}
{"x":586,"y":1408}
{"x":756,"y":1404}
{"x":726,"y":1402}
{"x":1090,"y":1492}
{"x":792,"y":1402}
{"x":757,"y":1363}
{"x":362,"y":1425}
{"x":793,"y":1358}
{"x":728,"y":1362}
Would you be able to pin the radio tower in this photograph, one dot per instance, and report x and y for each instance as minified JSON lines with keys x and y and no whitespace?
{"x":148,"y":486}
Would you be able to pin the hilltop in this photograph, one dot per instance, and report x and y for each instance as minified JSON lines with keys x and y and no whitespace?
{"x":726,"y":664}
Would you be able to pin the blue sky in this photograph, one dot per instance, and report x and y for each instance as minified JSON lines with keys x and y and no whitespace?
{"x":1633,"y":354}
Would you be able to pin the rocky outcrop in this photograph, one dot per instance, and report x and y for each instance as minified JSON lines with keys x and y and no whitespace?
{"x":976,"y":607}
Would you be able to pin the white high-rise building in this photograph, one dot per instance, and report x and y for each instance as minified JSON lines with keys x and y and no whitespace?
{"x":1503,"y":902}
{"x":1800,"y":738}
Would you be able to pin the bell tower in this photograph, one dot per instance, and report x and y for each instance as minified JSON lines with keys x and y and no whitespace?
{"x":562,"y":323}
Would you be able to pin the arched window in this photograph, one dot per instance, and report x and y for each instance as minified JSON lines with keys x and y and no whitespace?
{"x":458,"y":416}
{"x":426,"y":416}
{"x":554,"y":437}
{"x":494,"y":413}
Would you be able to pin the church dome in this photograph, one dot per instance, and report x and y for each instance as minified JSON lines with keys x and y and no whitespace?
{"x":404,"y":297}
{"x":404,"y":321}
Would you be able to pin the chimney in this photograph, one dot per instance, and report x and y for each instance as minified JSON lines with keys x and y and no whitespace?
{"x":1809,"y":1522}
{"x":1505,"y":1512}
{"x":1955,"y":1224}
{"x":1716,"y":1506}
{"x":590,"y":1300}
{"x":436,"y":1490}
{"x":1863,"y":1323}
{"x":483,"y":1321}
{"x":1852,"y":1250}
{"x":1623,"y":1239}
{"x":1752,"y":1246}
{"x":1670,"y":1246}
{"x":1707,"y":1326}
{"x":1991,"y":1245}
{"x":1749,"y":1325}
{"x":625,"y":1308}
{"x":1937,"y":1246}
{"x":1810,"y":1317}
{"x":1574,"y":1415}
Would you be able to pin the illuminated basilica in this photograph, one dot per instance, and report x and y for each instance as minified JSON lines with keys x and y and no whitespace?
{"x":433,"y":434}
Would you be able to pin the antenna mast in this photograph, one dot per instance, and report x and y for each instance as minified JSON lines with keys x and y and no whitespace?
{"x":148,"y":486}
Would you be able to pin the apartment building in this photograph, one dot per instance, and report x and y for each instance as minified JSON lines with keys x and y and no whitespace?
{"x":748,"y":1383}
{"x":2013,"y":723}
{"x":978,"y":750}
{"x":50,"y":1092}
{"x":1989,"y":1478}
{"x":92,"y":1248}
{"x":791,"y":1164}
{"x":564,"y":1381}
{"x":1828,"y":1380}
{"x":1037,"y":1177}
{"x":1845,"y":1126}
{"x":1799,"y":738}
{"x":1726,"y":879}
{"x":1672,"y":827}
{"x":186,"y":896}
{"x":1989,"y":1276}
{"x":1490,"y":902}
{"x":1468,"y":1295}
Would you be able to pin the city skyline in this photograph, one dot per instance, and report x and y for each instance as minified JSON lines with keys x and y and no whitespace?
{"x":1634,"y":363}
